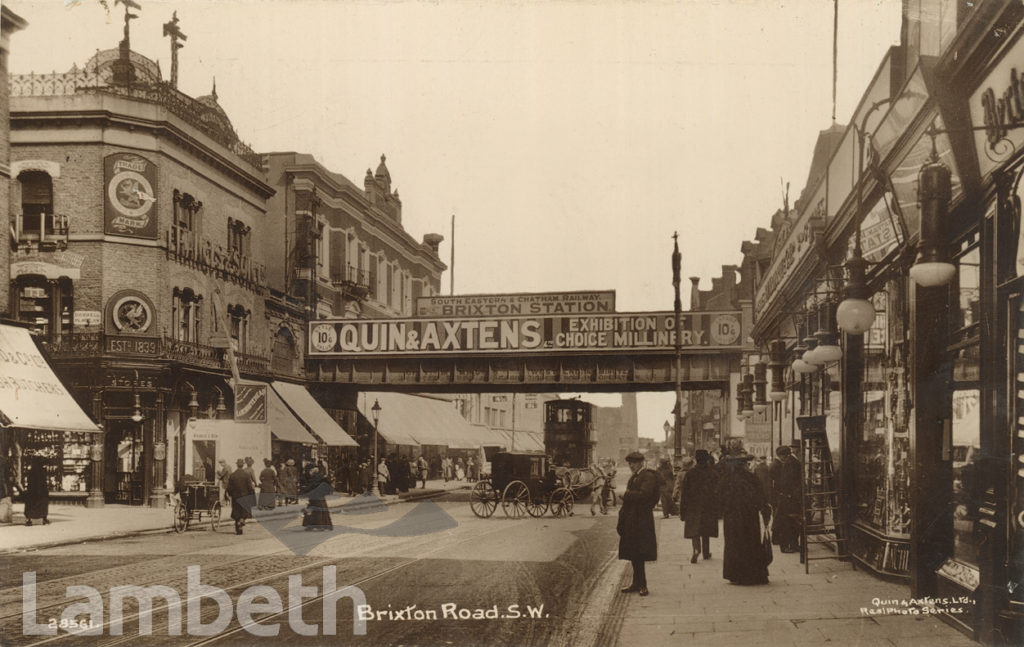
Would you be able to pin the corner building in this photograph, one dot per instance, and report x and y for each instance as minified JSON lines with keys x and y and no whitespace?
{"x":138,"y":219}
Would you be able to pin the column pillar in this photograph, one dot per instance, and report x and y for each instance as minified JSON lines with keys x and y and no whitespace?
{"x":95,"y":498}
{"x":932,"y":477}
{"x":158,"y":495}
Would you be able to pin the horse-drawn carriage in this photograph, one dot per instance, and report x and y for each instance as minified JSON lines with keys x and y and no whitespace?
{"x":193,"y":499}
{"x":524,"y":484}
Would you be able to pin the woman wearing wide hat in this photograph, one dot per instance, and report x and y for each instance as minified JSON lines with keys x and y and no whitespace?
{"x":637,"y":540}
{"x":743,"y":501}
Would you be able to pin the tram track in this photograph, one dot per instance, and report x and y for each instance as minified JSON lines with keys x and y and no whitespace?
{"x":56,"y":587}
{"x":160,"y":628}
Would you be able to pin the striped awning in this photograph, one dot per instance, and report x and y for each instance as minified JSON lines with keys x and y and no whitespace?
{"x":31,"y":395}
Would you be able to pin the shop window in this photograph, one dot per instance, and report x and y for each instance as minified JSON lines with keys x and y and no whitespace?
{"x":968,"y":303}
{"x":204,"y":460}
{"x":967,"y":488}
{"x":882,"y":446}
{"x":963,"y":441}
{"x":185,"y":315}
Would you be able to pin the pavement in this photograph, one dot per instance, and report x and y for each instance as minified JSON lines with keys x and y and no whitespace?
{"x":72,"y":524}
{"x":691,"y":604}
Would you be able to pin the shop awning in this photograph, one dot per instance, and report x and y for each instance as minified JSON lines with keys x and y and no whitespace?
{"x":312,"y":414}
{"x":31,"y":396}
{"x":422,"y":420}
{"x":283,"y":423}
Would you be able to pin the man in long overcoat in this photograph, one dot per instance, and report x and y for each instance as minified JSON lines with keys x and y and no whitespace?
{"x":698,"y":507}
{"x":637,"y":540}
{"x":241,"y":491}
{"x":786,"y":490}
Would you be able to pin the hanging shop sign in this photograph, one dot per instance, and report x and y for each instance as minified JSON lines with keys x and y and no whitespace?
{"x":794,"y":241}
{"x":250,"y":403}
{"x":998,"y":103}
{"x":533,"y":303}
{"x":129,"y":192}
{"x":621,"y":332}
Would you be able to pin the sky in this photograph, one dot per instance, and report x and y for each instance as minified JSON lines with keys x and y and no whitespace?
{"x":569,"y":140}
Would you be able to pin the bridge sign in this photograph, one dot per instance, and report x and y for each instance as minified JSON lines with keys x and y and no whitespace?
{"x":524,"y":303}
{"x":610,"y":333}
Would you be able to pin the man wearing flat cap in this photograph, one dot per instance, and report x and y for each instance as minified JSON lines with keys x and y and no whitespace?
{"x":637,"y":540}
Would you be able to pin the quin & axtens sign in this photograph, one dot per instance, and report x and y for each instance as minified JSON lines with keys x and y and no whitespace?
{"x":526,"y":303}
{"x":619,"y":332}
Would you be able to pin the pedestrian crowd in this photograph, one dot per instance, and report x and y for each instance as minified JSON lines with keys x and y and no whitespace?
{"x":758,"y":505}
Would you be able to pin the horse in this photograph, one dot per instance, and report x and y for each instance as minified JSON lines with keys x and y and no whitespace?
{"x":590,"y":481}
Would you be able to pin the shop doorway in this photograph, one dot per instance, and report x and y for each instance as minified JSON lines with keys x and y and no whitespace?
{"x":123,"y":474}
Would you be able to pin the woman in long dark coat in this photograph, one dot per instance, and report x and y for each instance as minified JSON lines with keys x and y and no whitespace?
{"x":37,"y":496}
{"x":742,"y":499}
{"x":242,"y":495}
{"x":317,"y":516}
{"x":268,"y":486}
{"x":637,"y":540}
{"x":698,"y":508}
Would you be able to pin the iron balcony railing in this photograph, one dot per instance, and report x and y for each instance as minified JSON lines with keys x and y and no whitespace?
{"x":80,"y":345}
{"x":197,"y":114}
{"x":41,"y":229}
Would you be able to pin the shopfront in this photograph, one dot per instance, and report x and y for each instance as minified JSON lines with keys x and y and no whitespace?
{"x":39,"y":417}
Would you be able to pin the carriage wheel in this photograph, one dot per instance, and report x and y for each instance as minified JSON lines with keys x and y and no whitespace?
{"x":483,"y":500}
{"x":180,"y":517}
{"x":215,"y":516}
{"x":515,"y":499}
{"x":561,"y":501}
{"x":537,"y":507}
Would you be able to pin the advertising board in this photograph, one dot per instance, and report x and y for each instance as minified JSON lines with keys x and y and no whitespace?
{"x":620,"y":332}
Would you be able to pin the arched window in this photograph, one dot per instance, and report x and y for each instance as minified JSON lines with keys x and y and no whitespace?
{"x":238,"y":327}
{"x":283,"y":353}
{"x":185,"y":315}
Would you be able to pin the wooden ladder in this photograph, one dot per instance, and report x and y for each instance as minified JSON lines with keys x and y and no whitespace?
{"x":822,"y":532}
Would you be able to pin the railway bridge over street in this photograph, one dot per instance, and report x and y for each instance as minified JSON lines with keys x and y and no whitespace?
{"x":490,"y":351}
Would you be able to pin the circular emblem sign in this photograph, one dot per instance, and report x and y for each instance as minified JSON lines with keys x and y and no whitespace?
{"x":725,"y":330}
{"x":130,"y":193}
{"x":324,"y":337}
{"x":131,"y":314}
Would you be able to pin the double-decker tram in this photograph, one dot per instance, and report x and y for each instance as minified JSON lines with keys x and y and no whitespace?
{"x":569,"y":432}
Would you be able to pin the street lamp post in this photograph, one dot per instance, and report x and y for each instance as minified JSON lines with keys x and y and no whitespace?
{"x":678,"y":440}
{"x":375,"y":410}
